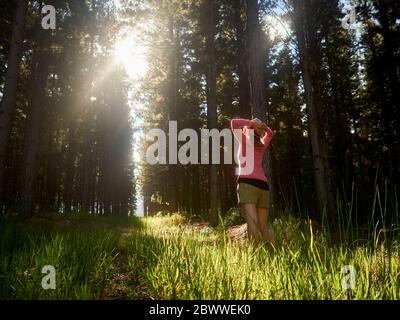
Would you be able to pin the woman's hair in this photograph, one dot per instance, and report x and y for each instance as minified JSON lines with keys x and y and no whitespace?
{"x":257,"y":138}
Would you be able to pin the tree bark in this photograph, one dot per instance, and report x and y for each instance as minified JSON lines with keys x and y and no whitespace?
{"x":172,"y":98}
{"x":32,"y":133}
{"x":256,"y":53}
{"x":243,"y":73}
{"x":312,"y":88}
{"x":211,"y":79}
{"x":88,"y":171}
{"x":257,"y":56}
{"x":390,"y":108}
{"x":10,"y":89}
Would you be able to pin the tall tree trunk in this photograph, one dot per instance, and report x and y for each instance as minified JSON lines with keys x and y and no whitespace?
{"x":32,"y":133}
{"x":256,"y":52}
{"x":70,"y":170}
{"x":52,"y":175}
{"x":10,"y":89}
{"x":172,"y":98}
{"x":88,"y":162}
{"x":87,"y":172}
{"x":257,"y":56}
{"x":312,"y":87}
{"x":244,"y":87}
{"x":211,"y":78}
{"x":390,"y":112}
{"x":341,"y":129}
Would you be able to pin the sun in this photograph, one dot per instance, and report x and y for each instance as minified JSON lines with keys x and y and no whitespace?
{"x":278,"y":28}
{"x":132,"y":57}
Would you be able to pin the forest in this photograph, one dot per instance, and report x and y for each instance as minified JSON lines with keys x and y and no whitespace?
{"x":83,"y":82}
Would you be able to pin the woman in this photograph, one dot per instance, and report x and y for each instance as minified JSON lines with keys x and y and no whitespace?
{"x":253,"y":187}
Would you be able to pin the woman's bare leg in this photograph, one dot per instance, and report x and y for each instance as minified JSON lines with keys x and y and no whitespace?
{"x":253,"y":231}
{"x":262,"y":215}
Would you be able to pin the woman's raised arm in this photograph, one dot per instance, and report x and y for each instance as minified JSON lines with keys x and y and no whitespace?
{"x":239,"y":124}
{"x":267,"y":137}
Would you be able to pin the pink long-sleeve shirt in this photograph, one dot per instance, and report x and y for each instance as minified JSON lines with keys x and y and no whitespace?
{"x":259,"y":151}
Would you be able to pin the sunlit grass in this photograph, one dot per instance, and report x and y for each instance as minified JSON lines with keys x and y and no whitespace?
{"x":166,"y":258}
{"x":301,"y":265}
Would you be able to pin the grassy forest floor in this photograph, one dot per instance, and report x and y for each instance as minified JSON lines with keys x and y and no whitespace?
{"x":170,"y":258}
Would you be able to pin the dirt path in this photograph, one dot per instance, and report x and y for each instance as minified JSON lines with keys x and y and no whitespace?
{"x":124,"y":283}
{"x":235,"y":233}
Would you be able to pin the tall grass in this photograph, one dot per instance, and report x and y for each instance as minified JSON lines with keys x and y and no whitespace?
{"x":165,"y":258}
{"x":83,"y":260}
{"x":302,"y":264}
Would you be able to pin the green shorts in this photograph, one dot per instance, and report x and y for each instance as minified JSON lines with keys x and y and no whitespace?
{"x":247,"y":193}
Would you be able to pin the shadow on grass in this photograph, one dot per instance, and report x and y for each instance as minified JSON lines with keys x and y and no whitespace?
{"x":66,"y":222}
{"x":82,"y":248}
